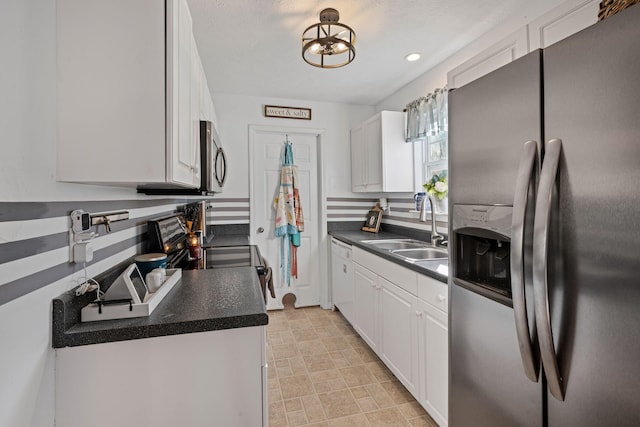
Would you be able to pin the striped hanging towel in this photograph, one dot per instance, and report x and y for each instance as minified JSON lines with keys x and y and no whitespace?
{"x":289,"y":216}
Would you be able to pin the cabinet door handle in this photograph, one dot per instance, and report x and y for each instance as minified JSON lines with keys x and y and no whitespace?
{"x":344,"y":268}
{"x":418,"y":313}
{"x":441,"y":298}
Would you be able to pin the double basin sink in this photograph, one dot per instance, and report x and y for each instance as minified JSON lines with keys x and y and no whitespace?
{"x":409,"y":249}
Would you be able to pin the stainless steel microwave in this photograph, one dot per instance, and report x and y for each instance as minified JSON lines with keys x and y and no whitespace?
{"x":213,"y":167}
{"x":213,"y":161}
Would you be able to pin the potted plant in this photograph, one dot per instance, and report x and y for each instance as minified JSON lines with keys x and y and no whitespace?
{"x":438,"y":186}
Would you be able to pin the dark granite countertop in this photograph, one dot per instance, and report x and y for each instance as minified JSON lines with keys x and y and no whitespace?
{"x":203,"y":300}
{"x":438,"y":269}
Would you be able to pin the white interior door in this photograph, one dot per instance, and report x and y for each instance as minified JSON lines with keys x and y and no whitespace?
{"x":267,"y":148}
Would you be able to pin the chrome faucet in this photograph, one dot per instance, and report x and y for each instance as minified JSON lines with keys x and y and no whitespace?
{"x":435,"y":236}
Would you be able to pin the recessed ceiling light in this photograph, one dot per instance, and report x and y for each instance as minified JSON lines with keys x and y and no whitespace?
{"x":412,"y":57}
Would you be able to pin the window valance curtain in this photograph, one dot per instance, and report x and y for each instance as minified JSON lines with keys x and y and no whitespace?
{"x":427,"y":115}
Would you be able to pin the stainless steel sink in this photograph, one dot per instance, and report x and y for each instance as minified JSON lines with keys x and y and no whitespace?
{"x":421,"y":254}
{"x":394,"y":244}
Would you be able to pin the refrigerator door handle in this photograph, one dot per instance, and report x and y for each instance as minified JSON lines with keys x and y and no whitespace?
{"x":525,"y":174}
{"x":540,"y":249}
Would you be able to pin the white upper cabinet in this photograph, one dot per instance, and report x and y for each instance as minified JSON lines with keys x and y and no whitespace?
{"x":128,"y":93}
{"x":507,"y":50}
{"x":559,"y":23}
{"x":568,"y":18}
{"x":381,"y":160}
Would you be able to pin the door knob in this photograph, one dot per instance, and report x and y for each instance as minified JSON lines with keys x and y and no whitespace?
{"x":260,"y":230}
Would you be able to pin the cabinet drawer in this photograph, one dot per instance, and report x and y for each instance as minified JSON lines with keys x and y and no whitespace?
{"x":398,"y":275}
{"x":340,"y":249}
{"x":434,"y":292}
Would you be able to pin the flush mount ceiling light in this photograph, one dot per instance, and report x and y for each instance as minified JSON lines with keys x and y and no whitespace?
{"x":412,"y":57}
{"x":328,"y":44}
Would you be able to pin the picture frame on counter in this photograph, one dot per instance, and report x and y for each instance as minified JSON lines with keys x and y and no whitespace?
{"x":287,"y":112}
{"x":374,"y":218}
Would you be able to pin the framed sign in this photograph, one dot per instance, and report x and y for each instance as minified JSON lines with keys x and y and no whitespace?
{"x":287,"y":112}
{"x":374,"y":217}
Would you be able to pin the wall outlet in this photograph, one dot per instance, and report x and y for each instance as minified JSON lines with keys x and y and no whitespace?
{"x":83,"y":252}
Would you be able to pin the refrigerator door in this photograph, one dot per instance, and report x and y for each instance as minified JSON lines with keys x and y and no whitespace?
{"x":489,"y":122}
{"x":591,"y":103}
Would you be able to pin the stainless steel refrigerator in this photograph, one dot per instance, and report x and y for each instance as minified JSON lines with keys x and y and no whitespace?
{"x":545,"y":236}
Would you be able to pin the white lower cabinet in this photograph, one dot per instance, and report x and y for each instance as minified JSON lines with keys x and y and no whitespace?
{"x":215,"y":378}
{"x":434,"y":361}
{"x":402,"y":316}
{"x":366,"y":305}
{"x":398,"y":333}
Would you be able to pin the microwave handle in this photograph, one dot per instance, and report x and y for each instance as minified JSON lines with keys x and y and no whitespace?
{"x":222,"y":179}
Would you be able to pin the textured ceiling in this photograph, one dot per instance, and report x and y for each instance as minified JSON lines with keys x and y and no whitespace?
{"x":253,"y":47}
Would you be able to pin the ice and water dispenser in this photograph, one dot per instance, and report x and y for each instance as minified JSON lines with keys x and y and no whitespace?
{"x":481,"y":237}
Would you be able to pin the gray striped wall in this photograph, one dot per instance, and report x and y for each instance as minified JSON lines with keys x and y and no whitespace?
{"x":34,"y":237}
{"x":225,"y":211}
{"x":34,"y":241}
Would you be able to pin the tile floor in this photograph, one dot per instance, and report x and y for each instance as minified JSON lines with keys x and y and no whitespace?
{"x":321,"y":373}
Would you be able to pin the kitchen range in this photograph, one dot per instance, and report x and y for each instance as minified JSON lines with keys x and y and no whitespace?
{"x":544,"y":289}
{"x":170,"y":235}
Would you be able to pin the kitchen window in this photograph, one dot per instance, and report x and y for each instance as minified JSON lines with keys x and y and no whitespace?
{"x":427,"y":128}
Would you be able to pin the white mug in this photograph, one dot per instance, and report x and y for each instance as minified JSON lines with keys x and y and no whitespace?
{"x":154,"y":280}
{"x":162,"y":271}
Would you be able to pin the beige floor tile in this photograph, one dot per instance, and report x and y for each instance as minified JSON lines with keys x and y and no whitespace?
{"x":305,"y":334}
{"x":287,"y":337}
{"x":425,"y":421}
{"x":284,"y":351}
{"x":358,"y":420}
{"x":328,"y":331}
{"x":412,"y":410}
{"x":367,"y":404}
{"x":275,"y":395}
{"x":330,"y":385}
{"x":313,"y":408}
{"x":297,"y":418}
{"x":359,"y":392}
{"x":273,"y":383}
{"x":357,"y":375}
{"x":382,"y":398}
{"x":330,"y":374}
{"x":335,"y":343}
{"x":297,"y":366}
{"x":365,"y":353}
{"x":318,"y":363}
{"x":271,"y":371}
{"x":284,"y":372}
{"x":386,"y":417}
{"x":310,"y":348}
{"x":302,"y":323}
{"x":339,"y":404}
{"x":352,"y":357}
{"x":398,"y":393}
{"x":321,"y":373}
{"x":296,"y":386}
{"x":277,"y":416}
{"x":292,"y":405}
{"x":292,"y":315}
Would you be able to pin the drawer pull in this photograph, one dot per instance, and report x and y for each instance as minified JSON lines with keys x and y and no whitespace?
{"x":418,"y":313}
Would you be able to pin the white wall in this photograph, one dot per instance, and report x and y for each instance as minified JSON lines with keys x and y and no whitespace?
{"x":437,"y":76}
{"x":236,"y":112}
{"x":27,"y":173}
